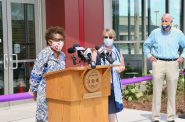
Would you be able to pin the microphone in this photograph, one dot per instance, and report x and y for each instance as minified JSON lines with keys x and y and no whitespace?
{"x":70,"y":50}
{"x":74,"y":60}
{"x":88,"y":57}
{"x":87,"y":53}
{"x":79,"y":51}
{"x":109,"y":58}
{"x":104,"y":54}
{"x":84,"y":54}
{"x":97,"y":47}
{"x":100,"y":51}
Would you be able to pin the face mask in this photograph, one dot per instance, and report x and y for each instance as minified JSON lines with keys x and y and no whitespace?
{"x":166,"y":24}
{"x":165,"y":27}
{"x":57,"y":45}
{"x":108,"y":42}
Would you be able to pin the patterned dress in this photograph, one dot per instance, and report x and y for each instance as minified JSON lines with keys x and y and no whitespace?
{"x":45,"y":62}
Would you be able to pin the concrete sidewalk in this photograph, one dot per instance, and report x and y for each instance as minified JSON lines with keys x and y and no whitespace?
{"x":26,"y":113}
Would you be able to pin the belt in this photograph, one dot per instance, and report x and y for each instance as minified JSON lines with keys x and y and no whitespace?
{"x":164,"y":59}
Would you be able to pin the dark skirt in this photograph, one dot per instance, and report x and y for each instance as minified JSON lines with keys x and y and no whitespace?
{"x":111,"y":104}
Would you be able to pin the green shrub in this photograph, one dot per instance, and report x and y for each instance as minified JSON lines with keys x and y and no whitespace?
{"x":145,"y":88}
{"x":180,"y":85}
{"x":132,"y":92}
{"x":149,"y":87}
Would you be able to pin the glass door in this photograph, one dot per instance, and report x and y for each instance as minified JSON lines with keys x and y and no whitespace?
{"x":18,"y":35}
{"x":1,"y":53}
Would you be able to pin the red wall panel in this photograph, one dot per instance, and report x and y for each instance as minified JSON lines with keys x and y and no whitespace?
{"x":71,"y":26}
{"x":55,"y":13}
{"x":93,"y":22}
{"x":83,"y":21}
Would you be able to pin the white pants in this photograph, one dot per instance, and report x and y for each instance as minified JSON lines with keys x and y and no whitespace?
{"x":161,"y":70}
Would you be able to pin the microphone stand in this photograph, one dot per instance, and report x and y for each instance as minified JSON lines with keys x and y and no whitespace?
{"x":74,"y":60}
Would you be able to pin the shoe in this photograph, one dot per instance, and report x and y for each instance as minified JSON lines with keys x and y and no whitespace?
{"x":156,"y":121}
{"x":172,"y":121}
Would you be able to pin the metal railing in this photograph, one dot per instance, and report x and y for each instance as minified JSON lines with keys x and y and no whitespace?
{"x":26,"y":95}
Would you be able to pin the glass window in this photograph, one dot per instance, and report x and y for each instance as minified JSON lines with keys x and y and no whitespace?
{"x":23,"y":38}
{"x":23,"y":30}
{"x":157,"y":8}
{"x":123,"y":19}
{"x":129,"y":20}
{"x":129,"y":28}
{"x":132,"y":27}
{"x":175,"y":12}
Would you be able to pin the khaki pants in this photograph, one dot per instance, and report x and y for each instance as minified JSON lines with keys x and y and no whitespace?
{"x":168,"y":70}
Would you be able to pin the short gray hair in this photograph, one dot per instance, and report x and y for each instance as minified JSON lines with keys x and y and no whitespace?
{"x":167,"y":15}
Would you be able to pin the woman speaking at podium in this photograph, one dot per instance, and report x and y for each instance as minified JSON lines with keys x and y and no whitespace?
{"x":107,"y":54}
{"x":49,"y":59}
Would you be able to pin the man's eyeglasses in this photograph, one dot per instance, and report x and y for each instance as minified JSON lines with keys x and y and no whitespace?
{"x":106,"y":37}
{"x":164,"y":21}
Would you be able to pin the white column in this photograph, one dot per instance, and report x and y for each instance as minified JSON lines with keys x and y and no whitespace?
{"x":108,"y":14}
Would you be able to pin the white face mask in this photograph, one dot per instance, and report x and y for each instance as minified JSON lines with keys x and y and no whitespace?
{"x":57,"y":45}
{"x":108,"y":42}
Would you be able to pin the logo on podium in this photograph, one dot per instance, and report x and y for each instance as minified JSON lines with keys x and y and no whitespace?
{"x":92,"y":80}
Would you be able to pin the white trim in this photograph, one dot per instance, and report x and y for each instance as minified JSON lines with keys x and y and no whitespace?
{"x":108,"y":14}
{"x":40,"y":25}
{"x":7,"y":36}
{"x":127,"y":42}
{"x":43,"y":20}
{"x":9,"y":32}
{"x":5,"y":43}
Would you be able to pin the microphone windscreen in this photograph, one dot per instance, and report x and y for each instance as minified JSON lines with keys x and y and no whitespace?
{"x":70,"y":50}
{"x":97,"y":47}
{"x":87,"y":52}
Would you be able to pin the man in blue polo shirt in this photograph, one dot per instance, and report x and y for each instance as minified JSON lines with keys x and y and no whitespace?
{"x":161,"y":48}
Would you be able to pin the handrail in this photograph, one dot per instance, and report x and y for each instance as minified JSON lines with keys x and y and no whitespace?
{"x":14,"y":97}
{"x":135,"y":80}
{"x":127,"y":42}
{"x":26,"y":95}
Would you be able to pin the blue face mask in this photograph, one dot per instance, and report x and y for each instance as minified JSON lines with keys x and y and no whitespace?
{"x":108,"y":42}
{"x":164,"y":27}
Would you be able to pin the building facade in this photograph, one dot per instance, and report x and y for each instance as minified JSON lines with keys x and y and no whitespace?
{"x":23,"y":23}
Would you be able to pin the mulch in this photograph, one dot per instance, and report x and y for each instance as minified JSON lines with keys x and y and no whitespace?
{"x":146,"y":105}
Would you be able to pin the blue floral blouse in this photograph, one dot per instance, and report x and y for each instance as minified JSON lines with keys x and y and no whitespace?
{"x":45,"y":62}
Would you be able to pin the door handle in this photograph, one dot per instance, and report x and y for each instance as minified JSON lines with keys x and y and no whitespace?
{"x":5,"y":61}
{"x":14,"y":61}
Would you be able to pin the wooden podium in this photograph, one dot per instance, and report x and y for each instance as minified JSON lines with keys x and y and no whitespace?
{"x":78,"y":94}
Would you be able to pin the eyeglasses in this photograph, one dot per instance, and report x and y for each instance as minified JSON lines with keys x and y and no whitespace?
{"x":106,"y":37}
{"x":164,"y":21}
{"x":57,"y":40}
